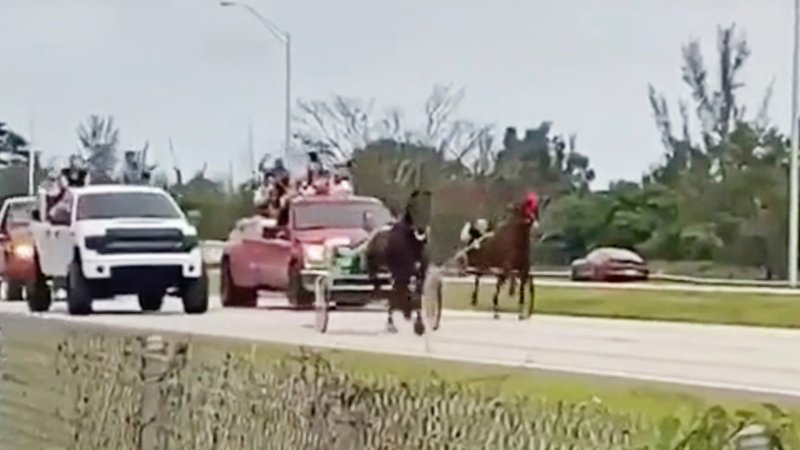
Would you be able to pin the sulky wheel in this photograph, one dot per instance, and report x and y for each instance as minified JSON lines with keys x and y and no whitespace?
{"x":432,"y":299}
{"x":322,"y":297}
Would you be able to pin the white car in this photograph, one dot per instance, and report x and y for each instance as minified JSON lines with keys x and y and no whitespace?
{"x":117,"y":240}
{"x":610,"y":264}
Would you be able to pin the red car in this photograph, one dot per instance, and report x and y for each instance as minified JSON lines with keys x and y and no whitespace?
{"x":610,"y":264}
{"x":17,"y":257}
{"x":260,"y":255}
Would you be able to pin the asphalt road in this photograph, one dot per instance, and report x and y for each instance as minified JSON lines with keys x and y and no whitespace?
{"x":752,"y":361}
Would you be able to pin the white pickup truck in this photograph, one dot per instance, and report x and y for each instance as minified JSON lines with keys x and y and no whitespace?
{"x":117,"y":240}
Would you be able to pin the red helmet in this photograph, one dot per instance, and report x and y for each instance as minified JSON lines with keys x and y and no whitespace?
{"x":531,"y":205}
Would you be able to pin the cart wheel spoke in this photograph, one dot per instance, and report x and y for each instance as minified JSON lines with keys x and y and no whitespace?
{"x":432,"y":301}
{"x":321,"y":303}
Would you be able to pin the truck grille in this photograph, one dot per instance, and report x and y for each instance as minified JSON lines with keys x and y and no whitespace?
{"x":139,"y":240}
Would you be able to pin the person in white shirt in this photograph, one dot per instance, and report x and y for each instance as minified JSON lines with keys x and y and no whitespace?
{"x":472,"y":231}
{"x":342,"y":187}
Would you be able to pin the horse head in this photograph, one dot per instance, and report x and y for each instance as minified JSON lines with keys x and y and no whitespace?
{"x":529,"y":210}
{"x":418,"y":213}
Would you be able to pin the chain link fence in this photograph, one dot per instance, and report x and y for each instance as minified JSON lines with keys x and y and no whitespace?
{"x":71,"y":387}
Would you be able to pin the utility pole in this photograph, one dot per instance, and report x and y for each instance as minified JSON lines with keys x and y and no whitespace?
{"x":31,"y":161}
{"x":285,"y":39}
{"x":794,"y":178}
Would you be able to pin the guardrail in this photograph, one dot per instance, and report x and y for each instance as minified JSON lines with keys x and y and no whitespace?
{"x":212,"y":255}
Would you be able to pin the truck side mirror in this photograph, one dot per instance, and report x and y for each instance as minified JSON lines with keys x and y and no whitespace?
{"x":194,"y":216}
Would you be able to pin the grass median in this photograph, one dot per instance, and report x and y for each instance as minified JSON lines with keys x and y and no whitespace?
{"x":768,"y":310}
{"x":649,"y":403}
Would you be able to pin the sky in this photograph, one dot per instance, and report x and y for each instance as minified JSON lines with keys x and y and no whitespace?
{"x":198,"y":73}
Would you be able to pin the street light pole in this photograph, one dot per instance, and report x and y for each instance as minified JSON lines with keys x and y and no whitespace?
{"x":284,"y":38}
{"x":794,"y":176}
{"x":288,"y":118}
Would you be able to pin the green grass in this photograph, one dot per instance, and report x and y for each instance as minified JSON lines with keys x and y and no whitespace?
{"x":698,"y":307}
{"x":646,"y":400}
{"x":701,"y":307}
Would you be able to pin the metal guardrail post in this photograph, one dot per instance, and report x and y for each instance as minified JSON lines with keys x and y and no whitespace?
{"x":155,"y":364}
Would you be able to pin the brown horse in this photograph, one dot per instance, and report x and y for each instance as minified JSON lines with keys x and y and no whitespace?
{"x":402,"y":251}
{"x":506,"y":252}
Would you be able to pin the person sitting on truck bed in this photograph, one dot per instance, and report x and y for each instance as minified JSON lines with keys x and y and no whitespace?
{"x":60,"y":202}
{"x":280,"y":205}
{"x":263,"y":195}
{"x":77,"y":173}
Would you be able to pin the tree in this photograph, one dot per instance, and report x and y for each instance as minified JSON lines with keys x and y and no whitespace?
{"x":542,"y":162}
{"x":725,"y":178}
{"x":14,"y":157}
{"x":11,"y":142}
{"x":338,"y":127}
{"x":99,"y":138}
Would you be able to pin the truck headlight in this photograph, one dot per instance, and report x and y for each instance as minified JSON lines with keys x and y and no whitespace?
{"x":95,"y":243}
{"x":314,"y":254}
{"x":24,"y":251}
{"x":190,"y":241}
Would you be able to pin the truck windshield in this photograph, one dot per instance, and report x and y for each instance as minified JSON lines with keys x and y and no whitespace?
{"x":339,"y":215}
{"x":118,"y":205}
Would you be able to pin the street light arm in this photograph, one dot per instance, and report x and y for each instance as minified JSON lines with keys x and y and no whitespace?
{"x":268,"y":24}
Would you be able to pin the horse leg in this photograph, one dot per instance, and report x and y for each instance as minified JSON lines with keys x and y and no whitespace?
{"x":531,"y":293}
{"x":404,"y":296}
{"x":512,"y":285}
{"x":475,"y":288}
{"x":422,"y":273}
{"x":523,"y":281}
{"x":390,"y":327}
{"x":501,"y":278}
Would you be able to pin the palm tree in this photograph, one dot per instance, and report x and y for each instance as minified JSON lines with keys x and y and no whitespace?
{"x":99,"y":139}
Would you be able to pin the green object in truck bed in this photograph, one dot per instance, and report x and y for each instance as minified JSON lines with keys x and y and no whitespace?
{"x":348,"y":262}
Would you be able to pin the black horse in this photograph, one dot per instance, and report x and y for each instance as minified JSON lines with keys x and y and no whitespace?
{"x":402,"y":251}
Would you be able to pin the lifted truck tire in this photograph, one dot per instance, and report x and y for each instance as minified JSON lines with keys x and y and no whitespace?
{"x":39,"y":296}
{"x":151,"y":301}
{"x":79,"y":293}
{"x":297,"y":295}
{"x":233,"y":295}
{"x":194,"y":293}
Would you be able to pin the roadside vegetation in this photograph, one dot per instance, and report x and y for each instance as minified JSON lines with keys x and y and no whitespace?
{"x":717,"y":197}
{"x":562,"y":409}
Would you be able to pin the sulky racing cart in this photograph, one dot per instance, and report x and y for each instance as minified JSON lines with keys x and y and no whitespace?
{"x":341,"y":281}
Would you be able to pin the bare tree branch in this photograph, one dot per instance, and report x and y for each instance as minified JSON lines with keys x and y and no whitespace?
{"x":341,"y":125}
{"x":439,"y":109}
{"x":762,"y":119}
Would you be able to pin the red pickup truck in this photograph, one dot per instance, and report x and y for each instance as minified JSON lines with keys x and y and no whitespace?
{"x":261,"y":254}
{"x":17,"y":255}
